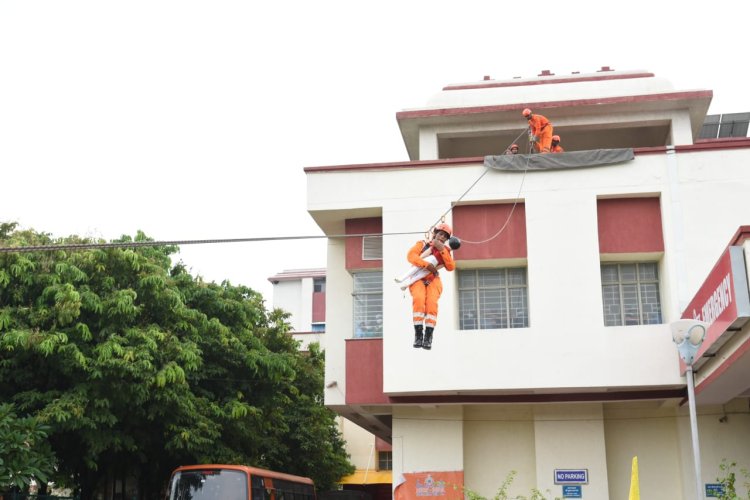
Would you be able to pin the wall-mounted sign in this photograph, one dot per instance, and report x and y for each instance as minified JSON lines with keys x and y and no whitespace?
{"x":722,"y":301}
{"x":715,"y":490}
{"x":571,"y":476}
{"x":572,"y":491}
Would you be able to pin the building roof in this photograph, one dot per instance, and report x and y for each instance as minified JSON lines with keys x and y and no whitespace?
{"x":578,"y":104}
{"x":297,"y":274}
{"x":550,"y":88}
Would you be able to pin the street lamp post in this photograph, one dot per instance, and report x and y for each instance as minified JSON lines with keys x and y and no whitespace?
{"x":688,"y":335}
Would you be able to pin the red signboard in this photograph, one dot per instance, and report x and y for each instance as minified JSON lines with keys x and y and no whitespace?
{"x":722,"y":300}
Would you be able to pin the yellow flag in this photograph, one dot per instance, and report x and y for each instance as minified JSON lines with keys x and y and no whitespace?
{"x":635,"y":490}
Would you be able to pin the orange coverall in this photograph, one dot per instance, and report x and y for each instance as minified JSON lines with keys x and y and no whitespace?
{"x":541,"y":128}
{"x":426,"y":292}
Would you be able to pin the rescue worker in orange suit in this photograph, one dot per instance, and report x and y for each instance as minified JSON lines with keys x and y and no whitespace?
{"x":556,"y":148}
{"x":512,"y":150}
{"x":540,"y":131}
{"x":426,"y":292}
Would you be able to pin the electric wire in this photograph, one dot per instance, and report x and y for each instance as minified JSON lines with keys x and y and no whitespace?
{"x":150,"y":243}
{"x":139,"y":244}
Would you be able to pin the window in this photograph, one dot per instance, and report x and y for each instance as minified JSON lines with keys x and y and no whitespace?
{"x":630,"y":293}
{"x":385,"y":460}
{"x":319,"y":285}
{"x":368,"y":304}
{"x":493,"y":298}
{"x":318,"y":327}
{"x":726,"y":125}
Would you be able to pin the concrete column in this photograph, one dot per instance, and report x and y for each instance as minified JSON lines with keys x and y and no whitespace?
{"x":428,"y":438}
{"x":682,"y":132}
{"x":428,"y":144}
{"x":306,"y":293}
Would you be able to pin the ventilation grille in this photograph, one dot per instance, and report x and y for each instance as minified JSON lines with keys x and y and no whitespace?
{"x":372,"y":248}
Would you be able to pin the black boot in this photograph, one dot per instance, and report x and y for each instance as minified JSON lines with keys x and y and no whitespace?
{"x":427,"y":343}
{"x":417,"y":335}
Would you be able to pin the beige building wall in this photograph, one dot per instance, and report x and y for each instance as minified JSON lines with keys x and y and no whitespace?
{"x":427,"y":439}
{"x":496,"y":442}
{"x":360,"y":444}
{"x":571,"y":437}
{"x":651,"y":433}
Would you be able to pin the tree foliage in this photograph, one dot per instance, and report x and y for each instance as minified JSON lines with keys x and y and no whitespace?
{"x":24,"y":452}
{"x":136,"y":367}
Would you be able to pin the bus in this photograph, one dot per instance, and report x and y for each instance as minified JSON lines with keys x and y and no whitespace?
{"x":236,"y":482}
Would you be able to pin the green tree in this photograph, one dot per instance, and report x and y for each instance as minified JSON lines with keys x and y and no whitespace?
{"x":24,"y":451}
{"x":139,"y":366}
{"x":728,"y":478}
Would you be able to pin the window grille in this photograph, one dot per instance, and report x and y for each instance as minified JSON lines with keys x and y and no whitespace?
{"x":493,"y":298}
{"x":630,"y":294}
{"x":368,"y":304}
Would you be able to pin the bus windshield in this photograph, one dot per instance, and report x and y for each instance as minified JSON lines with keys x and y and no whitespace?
{"x":208,"y":484}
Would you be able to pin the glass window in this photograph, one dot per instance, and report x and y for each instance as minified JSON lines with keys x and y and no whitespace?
{"x":726,"y":125}
{"x":368,"y":304}
{"x":385,"y":460}
{"x":630,"y":293}
{"x":209,"y":484}
{"x":319,"y":285}
{"x":318,"y":327}
{"x":493,"y":298}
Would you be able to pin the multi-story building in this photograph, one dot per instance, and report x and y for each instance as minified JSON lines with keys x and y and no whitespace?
{"x":301,"y":292}
{"x":553,"y":348}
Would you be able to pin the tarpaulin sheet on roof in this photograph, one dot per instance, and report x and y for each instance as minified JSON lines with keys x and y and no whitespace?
{"x":556,"y":161}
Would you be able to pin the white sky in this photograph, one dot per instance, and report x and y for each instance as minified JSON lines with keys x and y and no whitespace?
{"x":194,"y":120}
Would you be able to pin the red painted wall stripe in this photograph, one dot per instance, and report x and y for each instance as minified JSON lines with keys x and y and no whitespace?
{"x":479,"y":222}
{"x":364,"y":372}
{"x":629,"y":225}
{"x":369,"y":225}
{"x":319,"y":307}
{"x":382,"y":445}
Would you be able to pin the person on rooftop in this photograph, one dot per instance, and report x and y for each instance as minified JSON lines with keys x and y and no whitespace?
{"x":512,"y":150}
{"x":556,"y":148}
{"x":540,"y":131}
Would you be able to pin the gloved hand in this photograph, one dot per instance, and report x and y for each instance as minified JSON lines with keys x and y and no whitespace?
{"x":534,"y":138}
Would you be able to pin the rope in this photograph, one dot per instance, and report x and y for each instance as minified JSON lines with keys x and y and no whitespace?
{"x":486,"y":169}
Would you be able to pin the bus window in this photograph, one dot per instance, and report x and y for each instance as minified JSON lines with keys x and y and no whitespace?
{"x":209,"y":484}
{"x":261,"y":488}
{"x":237,"y":482}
